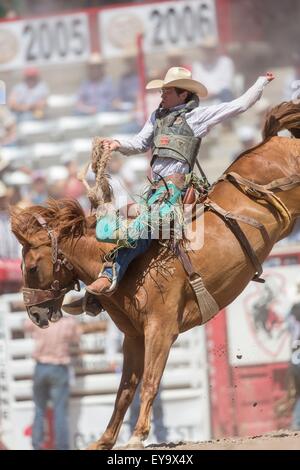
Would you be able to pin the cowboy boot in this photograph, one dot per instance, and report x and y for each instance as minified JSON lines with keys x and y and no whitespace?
{"x":102,"y":286}
{"x":87,"y":304}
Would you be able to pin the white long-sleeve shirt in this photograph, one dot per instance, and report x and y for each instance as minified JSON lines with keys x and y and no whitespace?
{"x":200,"y":120}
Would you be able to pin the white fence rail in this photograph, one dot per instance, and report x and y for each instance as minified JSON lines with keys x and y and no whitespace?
{"x":184,"y":386}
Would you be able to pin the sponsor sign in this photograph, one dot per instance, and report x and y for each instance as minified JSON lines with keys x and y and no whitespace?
{"x":44,"y":41}
{"x":164,"y":25}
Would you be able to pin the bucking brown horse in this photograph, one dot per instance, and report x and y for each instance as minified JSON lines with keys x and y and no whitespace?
{"x":155,"y":302}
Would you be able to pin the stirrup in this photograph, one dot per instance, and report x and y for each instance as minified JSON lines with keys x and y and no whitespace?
{"x":109,"y":264}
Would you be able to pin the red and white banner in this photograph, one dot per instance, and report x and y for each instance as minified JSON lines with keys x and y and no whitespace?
{"x":65,"y":38}
{"x":45,"y":41}
{"x":165,"y":26}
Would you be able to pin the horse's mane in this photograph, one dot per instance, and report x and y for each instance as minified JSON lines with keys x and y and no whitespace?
{"x":65,"y":216}
{"x":286,"y":115}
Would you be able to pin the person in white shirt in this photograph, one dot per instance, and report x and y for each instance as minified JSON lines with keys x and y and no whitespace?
{"x":8,"y":130}
{"x":215,"y":71}
{"x":173,"y":132}
{"x":292,"y":83}
{"x":28,"y":99}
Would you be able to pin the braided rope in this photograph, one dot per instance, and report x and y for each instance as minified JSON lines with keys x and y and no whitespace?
{"x":100,"y":193}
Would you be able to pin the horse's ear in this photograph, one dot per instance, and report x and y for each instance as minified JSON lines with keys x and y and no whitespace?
{"x":21,"y":238}
{"x":16,"y":226}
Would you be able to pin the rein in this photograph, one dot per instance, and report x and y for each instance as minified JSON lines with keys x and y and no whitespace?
{"x":34,"y":297}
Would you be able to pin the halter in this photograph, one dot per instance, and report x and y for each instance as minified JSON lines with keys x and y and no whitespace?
{"x":33,"y":297}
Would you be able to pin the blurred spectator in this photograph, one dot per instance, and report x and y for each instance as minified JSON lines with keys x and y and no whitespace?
{"x":2,"y":93}
{"x":51,"y":380}
{"x":215,"y":71}
{"x":9,"y":246}
{"x":159,"y":429}
{"x":261,"y":108}
{"x":292,"y":84}
{"x":153,"y":97}
{"x":128,"y":86}
{"x":18,"y":182}
{"x":248,"y":137}
{"x":7,"y":127}
{"x":56,"y":189}
{"x":112,"y":344}
{"x":4,"y":165}
{"x":134,"y":172}
{"x":176,"y":58}
{"x":28,"y":99}
{"x":294,"y":327}
{"x":39,"y":193}
{"x":73,"y":187}
{"x":7,"y":9}
{"x":97,"y":92}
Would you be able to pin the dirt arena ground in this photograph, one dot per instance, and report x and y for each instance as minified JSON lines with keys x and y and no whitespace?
{"x":279,"y":440}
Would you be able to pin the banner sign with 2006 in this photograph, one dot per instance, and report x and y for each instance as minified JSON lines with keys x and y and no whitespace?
{"x":43,"y":41}
{"x":164,"y":25}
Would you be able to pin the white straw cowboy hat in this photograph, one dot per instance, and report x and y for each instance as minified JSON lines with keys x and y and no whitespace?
{"x":181,"y":78}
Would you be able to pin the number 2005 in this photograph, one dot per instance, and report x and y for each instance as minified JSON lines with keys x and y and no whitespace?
{"x":44,"y":40}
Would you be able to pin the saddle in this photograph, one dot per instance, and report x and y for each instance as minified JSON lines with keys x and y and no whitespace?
{"x":128,"y":224}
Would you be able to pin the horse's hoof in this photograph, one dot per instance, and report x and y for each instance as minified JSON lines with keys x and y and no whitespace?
{"x":98,"y":446}
{"x":134,"y":443}
{"x":92,"y":446}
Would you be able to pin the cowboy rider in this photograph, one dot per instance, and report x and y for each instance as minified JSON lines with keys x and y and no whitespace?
{"x":180,"y":117}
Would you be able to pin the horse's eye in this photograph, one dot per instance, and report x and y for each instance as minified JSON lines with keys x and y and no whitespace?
{"x":33,"y":269}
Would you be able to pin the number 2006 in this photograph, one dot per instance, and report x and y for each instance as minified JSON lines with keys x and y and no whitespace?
{"x":174,"y":25}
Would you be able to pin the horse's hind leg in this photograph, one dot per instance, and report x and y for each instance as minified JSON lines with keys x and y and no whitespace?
{"x":133,"y":364}
{"x":158,"y":342}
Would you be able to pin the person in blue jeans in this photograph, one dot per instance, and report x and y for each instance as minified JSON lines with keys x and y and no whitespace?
{"x":53,"y":348}
{"x":294,"y":328}
{"x":51,"y":382}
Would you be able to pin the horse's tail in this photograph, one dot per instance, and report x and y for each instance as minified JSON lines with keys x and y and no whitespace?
{"x":284,"y":116}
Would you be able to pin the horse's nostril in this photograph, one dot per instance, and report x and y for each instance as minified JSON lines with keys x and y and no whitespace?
{"x":38,"y":316}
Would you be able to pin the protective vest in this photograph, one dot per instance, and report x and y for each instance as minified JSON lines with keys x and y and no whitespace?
{"x":173,"y":137}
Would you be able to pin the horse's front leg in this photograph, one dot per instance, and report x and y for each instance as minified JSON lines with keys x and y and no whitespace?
{"x":133,"y":365}
{"x":158,"y":341}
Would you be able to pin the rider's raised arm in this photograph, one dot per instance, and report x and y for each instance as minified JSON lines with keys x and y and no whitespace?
{"x":212,"y":115}
{"x":139,"y":143}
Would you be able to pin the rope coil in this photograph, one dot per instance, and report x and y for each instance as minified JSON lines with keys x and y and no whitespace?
{"x":101,"y":193}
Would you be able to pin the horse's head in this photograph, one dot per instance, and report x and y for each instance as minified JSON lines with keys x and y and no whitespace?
{"x":47,"y":273}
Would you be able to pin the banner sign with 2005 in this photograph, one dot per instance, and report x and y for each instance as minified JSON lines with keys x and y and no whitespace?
{"x":44,"y":41}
